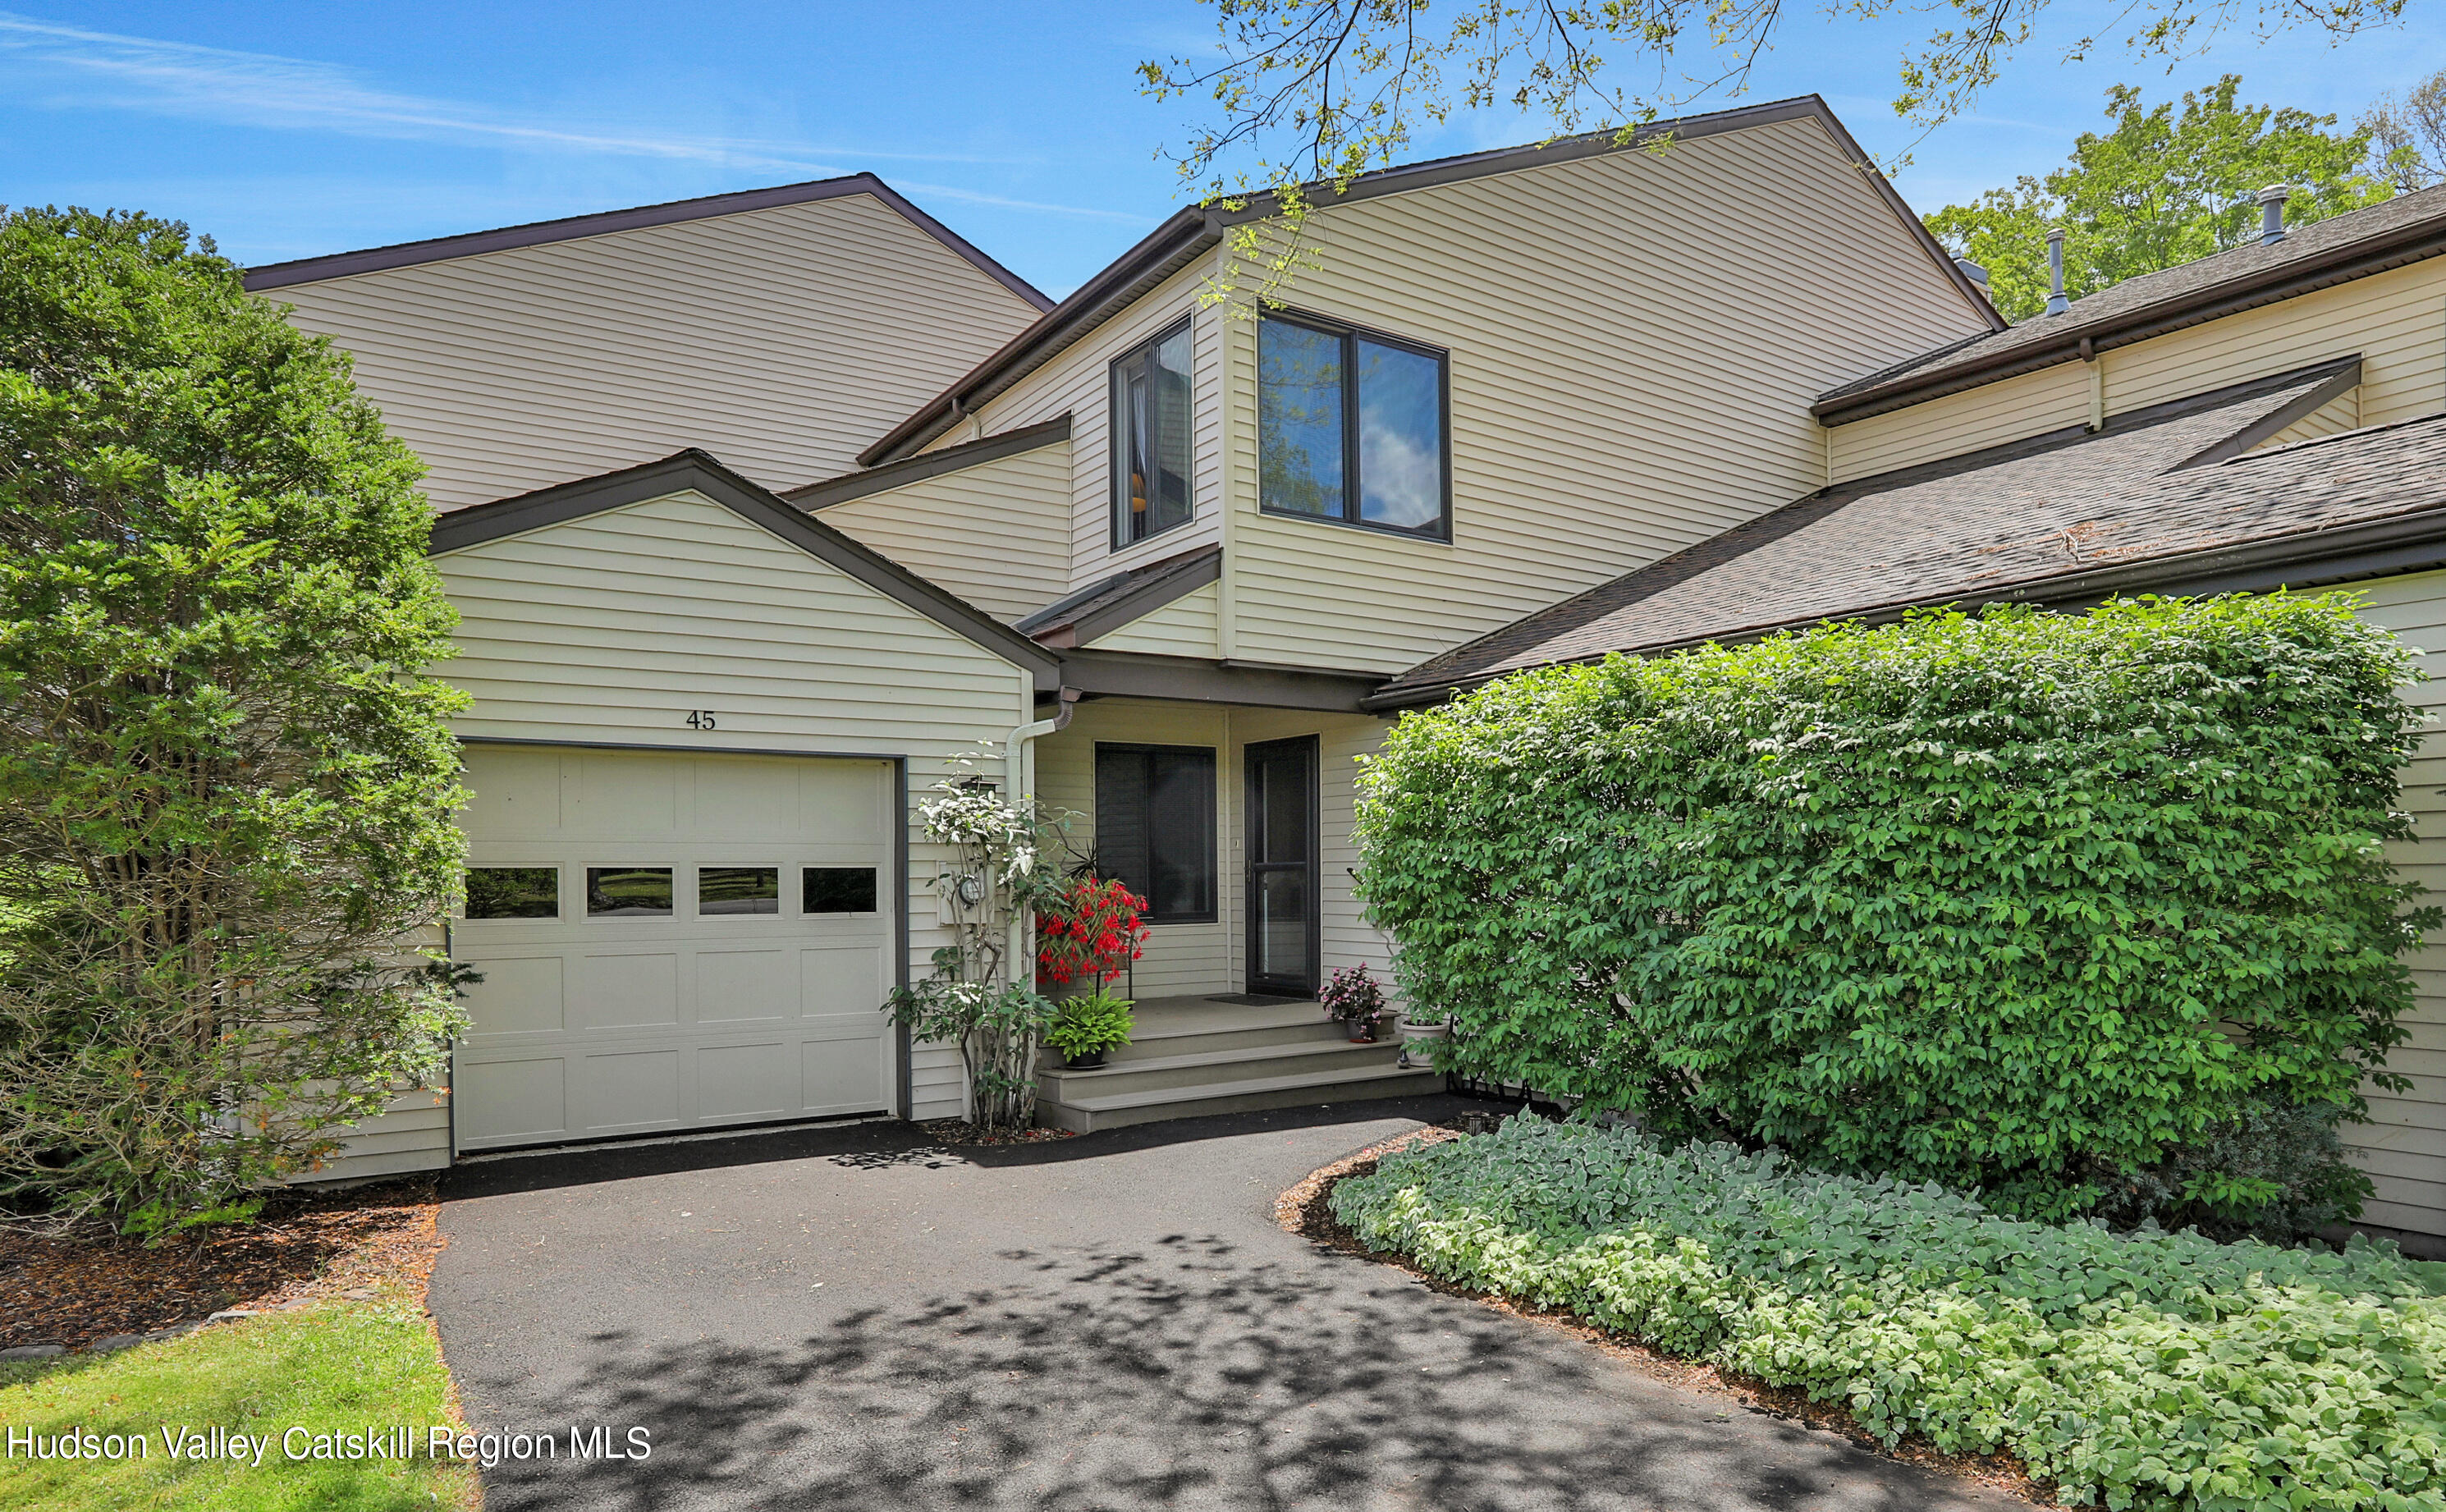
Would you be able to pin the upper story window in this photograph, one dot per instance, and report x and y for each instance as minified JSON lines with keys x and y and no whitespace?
{"x":1151,"y":419}
{"x":1351,"y":427}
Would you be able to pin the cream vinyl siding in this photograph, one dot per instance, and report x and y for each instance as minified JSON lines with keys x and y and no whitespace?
{"x":1079,"y":381}
{"x":2333,"y":418}
{"x":997,"y":534}
{"x":413,"y":1134}
{"x":1634,"y":343}
{"x":1179,"y":959}
{"x":779,"y":340}
{"x":611,"y":628}
{"x":2014,"y":409}
{"x":2395,"y":320}
{"x":2404,"y":1146}
{"x":1185,"y":627}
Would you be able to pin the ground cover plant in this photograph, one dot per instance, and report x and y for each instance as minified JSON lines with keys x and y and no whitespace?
{"x":2087,"y":912}
{"x":2139,"y":1370}
{"x":226,"y":785}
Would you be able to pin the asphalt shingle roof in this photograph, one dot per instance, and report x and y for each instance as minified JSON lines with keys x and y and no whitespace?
{"x":2136,"y":300}
{"x":1992,"y":525}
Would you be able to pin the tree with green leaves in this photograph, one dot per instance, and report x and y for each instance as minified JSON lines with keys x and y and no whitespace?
{"x":227,"y":784}
{"x":2407,"y":133}
{"x":2164,"y":188}
{"x":1307,"y":94}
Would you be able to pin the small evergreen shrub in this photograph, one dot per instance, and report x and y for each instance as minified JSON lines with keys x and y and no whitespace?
{"x":2028,"y":903}
{"x":2148,"y":1369}
{"x":1088,"y":1023}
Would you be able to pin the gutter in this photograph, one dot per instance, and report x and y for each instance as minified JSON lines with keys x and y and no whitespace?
{"x":2076,"y":343}
{"x":2410,"y":542}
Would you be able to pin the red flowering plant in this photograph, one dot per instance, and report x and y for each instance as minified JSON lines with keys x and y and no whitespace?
{"x":1091,"y":932}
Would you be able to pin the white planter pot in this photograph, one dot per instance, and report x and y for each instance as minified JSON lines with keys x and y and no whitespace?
{"x":1414,"y":1037}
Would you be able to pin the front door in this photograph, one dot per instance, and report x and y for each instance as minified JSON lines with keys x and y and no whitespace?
{"x":1281,"y":866}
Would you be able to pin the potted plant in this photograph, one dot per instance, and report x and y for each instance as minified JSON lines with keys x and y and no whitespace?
{"x":1085,"y":1027}
{"x":1419,"y":1035}
{"x":1355,"y":999}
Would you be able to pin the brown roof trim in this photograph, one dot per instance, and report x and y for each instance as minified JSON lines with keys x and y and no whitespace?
{"x":1163,"y":251}
{"x":1189,"y":679}
{"x":700,"y":471}
{"x":2342,"y":264}
{"x":874,"y":481}
{"x":1096,"y":611}
{"x":540,"y":232}
{"x":2334,"y":377}
{"x":1191,"y":232}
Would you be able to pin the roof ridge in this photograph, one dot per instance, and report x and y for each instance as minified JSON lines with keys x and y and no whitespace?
{"x":634,"y":217}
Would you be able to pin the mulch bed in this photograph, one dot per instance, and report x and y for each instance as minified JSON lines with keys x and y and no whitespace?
{"x":1305,"y":1210}
{"x":73,"y":1287}
{"x":960,"y":1131}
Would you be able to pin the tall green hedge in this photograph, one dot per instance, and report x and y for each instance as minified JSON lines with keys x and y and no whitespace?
{"x":2020,"y":902}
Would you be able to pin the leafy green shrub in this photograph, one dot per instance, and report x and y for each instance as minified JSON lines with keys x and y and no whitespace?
{"x":2017,"y":902}
{"x":227,"y":784}
{"x":2269,"y":1171}
{"x":2148,"y":1369}
{"x":1089,"y":1023}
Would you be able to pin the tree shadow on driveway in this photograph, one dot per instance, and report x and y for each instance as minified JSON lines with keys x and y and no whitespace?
{"x":1182,"y":1376}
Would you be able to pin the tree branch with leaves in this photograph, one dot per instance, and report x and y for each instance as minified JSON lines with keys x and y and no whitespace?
{"x":1304,"y":96}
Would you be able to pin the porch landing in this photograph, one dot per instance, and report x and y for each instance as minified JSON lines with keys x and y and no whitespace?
{"x":1192,"y":1056}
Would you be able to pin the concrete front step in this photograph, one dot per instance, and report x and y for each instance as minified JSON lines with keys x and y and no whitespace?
{"x":1238,"y":1062}
{"x":1084,"y":1114}
{"x":1167,"y":1033}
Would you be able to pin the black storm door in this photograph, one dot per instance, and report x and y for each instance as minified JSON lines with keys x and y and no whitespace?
{"x":1282,"y":866}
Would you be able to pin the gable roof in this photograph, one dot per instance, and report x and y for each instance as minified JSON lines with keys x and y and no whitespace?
{"x":701,"y":472}
{"x":869,"y":482}
{"x":540,"y":232}
{"x":1102,"y":608}
{"x":2162,"y":498}
{"x":2337,"y":250}
{"x":1197,"y":229}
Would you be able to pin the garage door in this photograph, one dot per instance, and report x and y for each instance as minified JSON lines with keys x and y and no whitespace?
{"x":671,"y":942}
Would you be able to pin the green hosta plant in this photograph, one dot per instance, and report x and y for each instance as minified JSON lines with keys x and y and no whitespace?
{"x":2150,"y":1370}
{"x":2019,"y":903}
{"x":1089,"y":1023}
{"x":226,"y":786}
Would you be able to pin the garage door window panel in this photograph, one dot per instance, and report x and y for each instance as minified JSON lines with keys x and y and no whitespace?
{"x":627,"y":891}
{"x":735,"y":890}
{"x":839,"y":890}
{"x":512,"y":891}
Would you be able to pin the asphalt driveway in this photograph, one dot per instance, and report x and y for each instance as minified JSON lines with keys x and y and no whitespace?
{"x":848,"y":1318}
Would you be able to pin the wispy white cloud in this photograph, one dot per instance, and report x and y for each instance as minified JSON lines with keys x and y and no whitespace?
{"x":75,"y":66}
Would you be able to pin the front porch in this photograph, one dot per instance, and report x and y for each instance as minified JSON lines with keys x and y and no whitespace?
{"x":1226,"y":1053}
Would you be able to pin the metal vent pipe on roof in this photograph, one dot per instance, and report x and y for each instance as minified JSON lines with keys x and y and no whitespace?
{"x":2271,"y":212}
{"x":2057,"y":303}
{"x":1977,"y":274}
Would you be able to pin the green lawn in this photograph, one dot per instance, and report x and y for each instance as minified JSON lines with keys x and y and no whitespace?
{"x":339,"y":1367}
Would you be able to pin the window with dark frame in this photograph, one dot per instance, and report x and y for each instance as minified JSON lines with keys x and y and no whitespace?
{"x":1154,"y":827}
{"x":1352,"y":426}
{"x":1151,"y":426}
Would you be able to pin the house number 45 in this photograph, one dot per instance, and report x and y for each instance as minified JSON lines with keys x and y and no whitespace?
{"x":700,"y":719}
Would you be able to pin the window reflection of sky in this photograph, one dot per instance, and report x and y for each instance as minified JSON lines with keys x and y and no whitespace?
{"x":1299,"y":376}
{"x":1401,"y":442}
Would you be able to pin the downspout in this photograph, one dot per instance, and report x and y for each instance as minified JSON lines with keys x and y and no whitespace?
{"x":1019,"y":770}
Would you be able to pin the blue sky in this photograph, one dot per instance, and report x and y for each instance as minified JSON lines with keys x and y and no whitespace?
{"x":291,"y":129}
